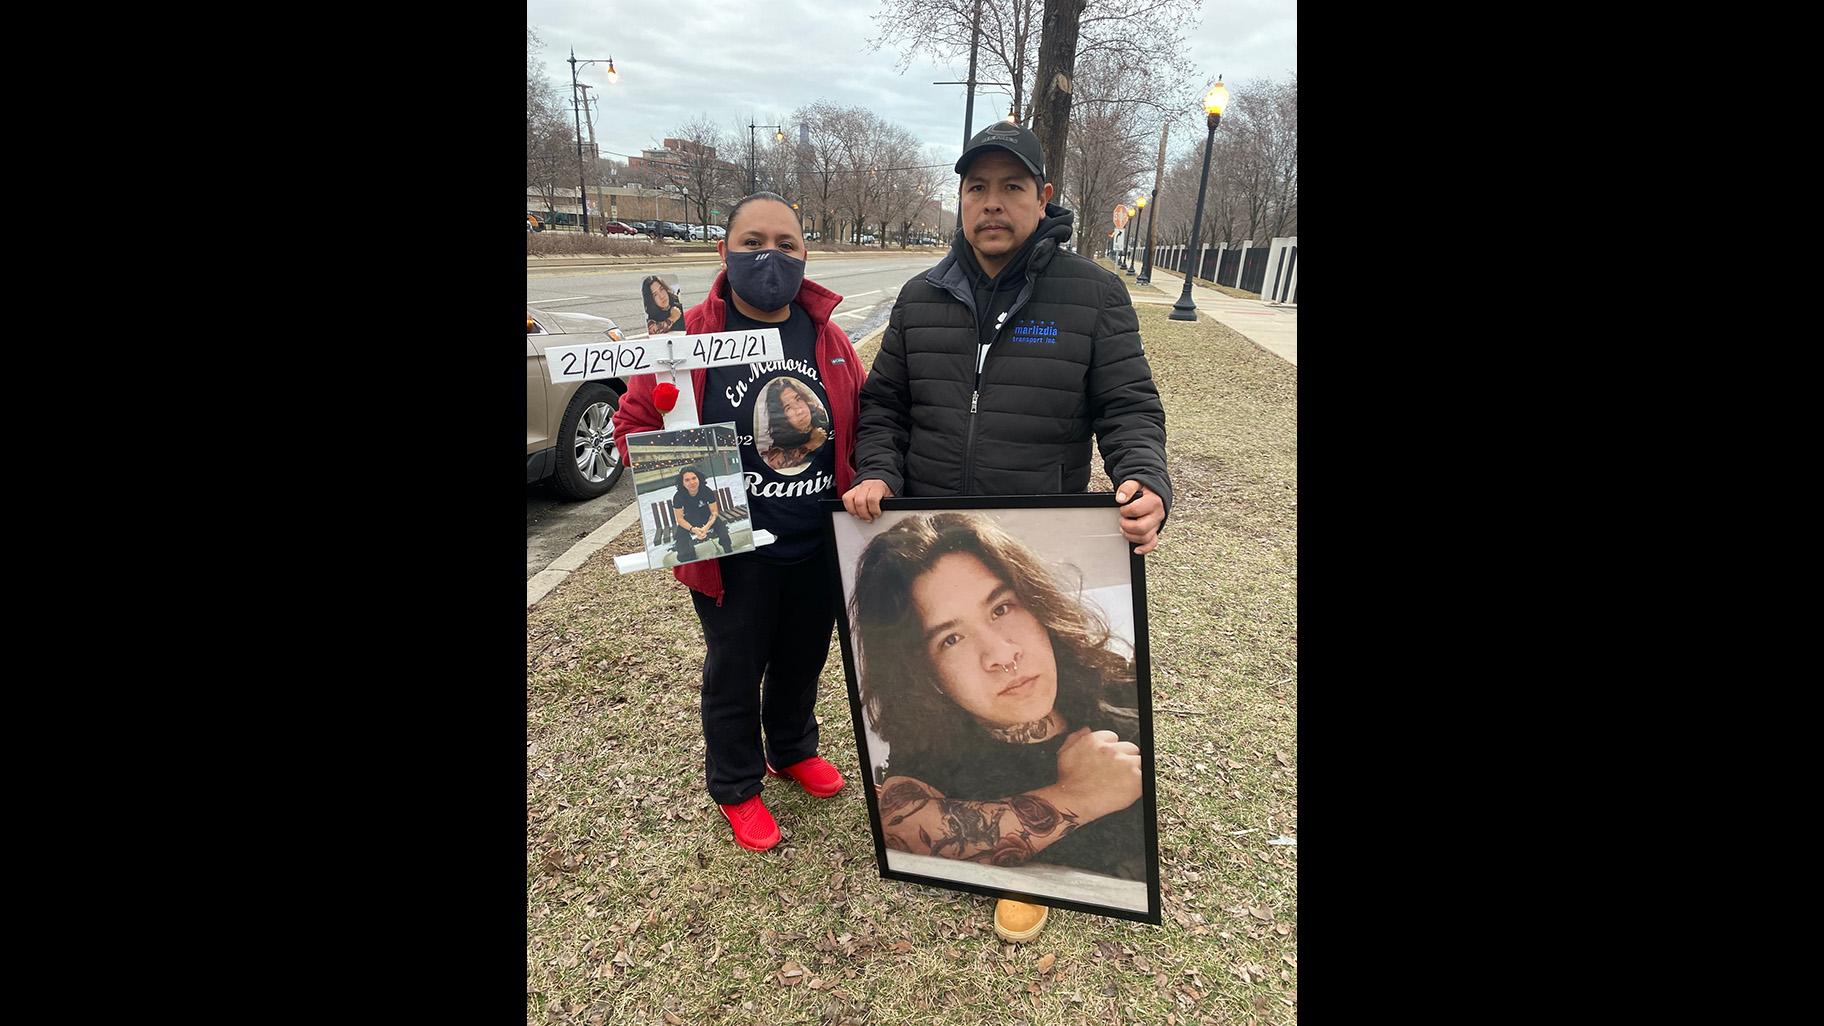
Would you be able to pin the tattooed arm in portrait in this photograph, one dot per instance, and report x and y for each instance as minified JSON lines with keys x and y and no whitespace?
{"x":1097,"y":774}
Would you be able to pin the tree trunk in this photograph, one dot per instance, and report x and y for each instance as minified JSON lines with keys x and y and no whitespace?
{"x":1057,"y":63}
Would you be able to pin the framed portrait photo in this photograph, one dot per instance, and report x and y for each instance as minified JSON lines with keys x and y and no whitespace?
{"x":692,"y":495}
{"x":996,"y":655}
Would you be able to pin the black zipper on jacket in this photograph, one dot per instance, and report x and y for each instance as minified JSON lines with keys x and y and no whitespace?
{"x":981,"y":363}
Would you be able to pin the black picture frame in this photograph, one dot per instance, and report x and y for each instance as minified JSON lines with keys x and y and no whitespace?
{"x":1081,"y":535}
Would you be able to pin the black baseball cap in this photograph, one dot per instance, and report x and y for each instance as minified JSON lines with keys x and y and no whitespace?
{"x":1015,"y":139}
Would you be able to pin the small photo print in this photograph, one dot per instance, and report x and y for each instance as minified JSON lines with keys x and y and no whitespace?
{"x":693,"y":499}
{"x":664,"y":304}
{"x":790,"y":425}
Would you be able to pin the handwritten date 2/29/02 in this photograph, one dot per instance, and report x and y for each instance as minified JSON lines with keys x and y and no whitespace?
{"x":588,"y":362}
{"x":604,"y":358}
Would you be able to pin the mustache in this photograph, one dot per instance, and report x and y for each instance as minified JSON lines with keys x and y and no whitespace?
{"x":985,"y":225}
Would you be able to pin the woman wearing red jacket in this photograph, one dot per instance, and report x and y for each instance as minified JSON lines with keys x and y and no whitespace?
{"x":767,"y":615}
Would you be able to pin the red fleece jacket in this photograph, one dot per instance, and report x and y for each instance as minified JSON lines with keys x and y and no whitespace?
{"x":837,"y":364}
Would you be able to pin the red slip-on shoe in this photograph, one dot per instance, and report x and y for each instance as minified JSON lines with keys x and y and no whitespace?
{"x":814,"y":775}
{"x":754,"y":826}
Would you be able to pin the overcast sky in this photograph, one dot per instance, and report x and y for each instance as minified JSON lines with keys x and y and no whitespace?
{"x":742,"y":61}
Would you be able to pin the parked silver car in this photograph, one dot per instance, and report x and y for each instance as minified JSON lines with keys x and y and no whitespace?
{"x":569,"y":430}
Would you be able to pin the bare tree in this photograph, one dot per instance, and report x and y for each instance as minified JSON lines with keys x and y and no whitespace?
{"x":779,"y":167}
{"x":859,"y":191}
{"x":1284,"y":115}
{"x":924,"y":176}
{"x":550,"y":140}
{"x":1253,"y":188}
{"x":1052,"y":83}
{"x":908,"y":185}
{"x":822,"y":164}
{"x":1264,"y":156}
{"x":695,"y":171}
{"x":1109,"y":150}
{"x":941,"y":28}
{"x":1147,"y":34}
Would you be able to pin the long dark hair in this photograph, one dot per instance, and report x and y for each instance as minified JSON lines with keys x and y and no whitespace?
{"x":702,"y":482}
{"x":785,"y":436}
{"x":899,"y":687}
{"x":655,"y":312}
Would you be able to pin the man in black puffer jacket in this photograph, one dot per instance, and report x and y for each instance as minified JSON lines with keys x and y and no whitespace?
{"x":998,"y":367}
{"x":1000,"y":363}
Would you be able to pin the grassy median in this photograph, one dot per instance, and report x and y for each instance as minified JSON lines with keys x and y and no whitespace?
{"x":641,"y":909}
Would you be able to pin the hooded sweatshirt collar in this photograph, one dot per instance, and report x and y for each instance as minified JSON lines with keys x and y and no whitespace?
{"x":1052,"y":232}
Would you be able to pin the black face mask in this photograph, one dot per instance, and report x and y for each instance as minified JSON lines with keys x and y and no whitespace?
{"x":767,"y":279}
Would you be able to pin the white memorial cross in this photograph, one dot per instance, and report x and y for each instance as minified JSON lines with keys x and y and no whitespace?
{"x":667,"y":355}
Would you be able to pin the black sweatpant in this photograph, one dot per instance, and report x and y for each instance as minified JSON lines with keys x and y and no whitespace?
{"x":766,"y":645}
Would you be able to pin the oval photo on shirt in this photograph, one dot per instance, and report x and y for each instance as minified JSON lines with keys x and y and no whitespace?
{"x":789,"y":425}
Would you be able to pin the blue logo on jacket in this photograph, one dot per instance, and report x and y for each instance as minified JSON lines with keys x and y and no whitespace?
{"x":1036,"y":331}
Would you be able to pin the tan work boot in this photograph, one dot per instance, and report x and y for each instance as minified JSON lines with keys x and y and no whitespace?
{"x":1018,"y":921}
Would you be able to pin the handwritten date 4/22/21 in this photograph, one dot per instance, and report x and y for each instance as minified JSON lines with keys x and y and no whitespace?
{"x":661,"y":353}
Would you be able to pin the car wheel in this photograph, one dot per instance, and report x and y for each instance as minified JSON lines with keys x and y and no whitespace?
{"x":588,"y":464}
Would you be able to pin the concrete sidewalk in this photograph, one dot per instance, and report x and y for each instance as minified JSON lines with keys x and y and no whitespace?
{"x":1273,"y":328}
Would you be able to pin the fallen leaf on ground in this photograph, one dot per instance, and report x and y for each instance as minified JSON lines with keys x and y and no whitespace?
{"x":1261,"y":913}
{"x":1280,"y":757}
{"x":1046,"y":962}
{"x":671,"y":1017}
{"x":1283,"y":929}
{"x":791,"y":974}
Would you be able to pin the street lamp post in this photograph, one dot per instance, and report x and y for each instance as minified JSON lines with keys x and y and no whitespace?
{"x":582,"y":195}
{"x":753,"y":154}
{"x":595,"y":152}
{"x":1146,"y":271}
{"x":1132,"y":247}
{"x":1186,"y":308}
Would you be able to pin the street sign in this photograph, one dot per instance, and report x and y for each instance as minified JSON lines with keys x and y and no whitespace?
{"x":1120,"y":215}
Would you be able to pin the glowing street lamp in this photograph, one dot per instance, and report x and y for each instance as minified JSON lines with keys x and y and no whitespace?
{"x":1186,"y":308}
{"x":582,"y":197}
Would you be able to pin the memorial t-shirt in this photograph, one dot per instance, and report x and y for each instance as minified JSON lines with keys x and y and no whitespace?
{"x":694,"y":507}
{"x":782,"y":420}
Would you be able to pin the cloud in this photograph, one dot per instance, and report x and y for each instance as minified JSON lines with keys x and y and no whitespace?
{"x":679,"y":59}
